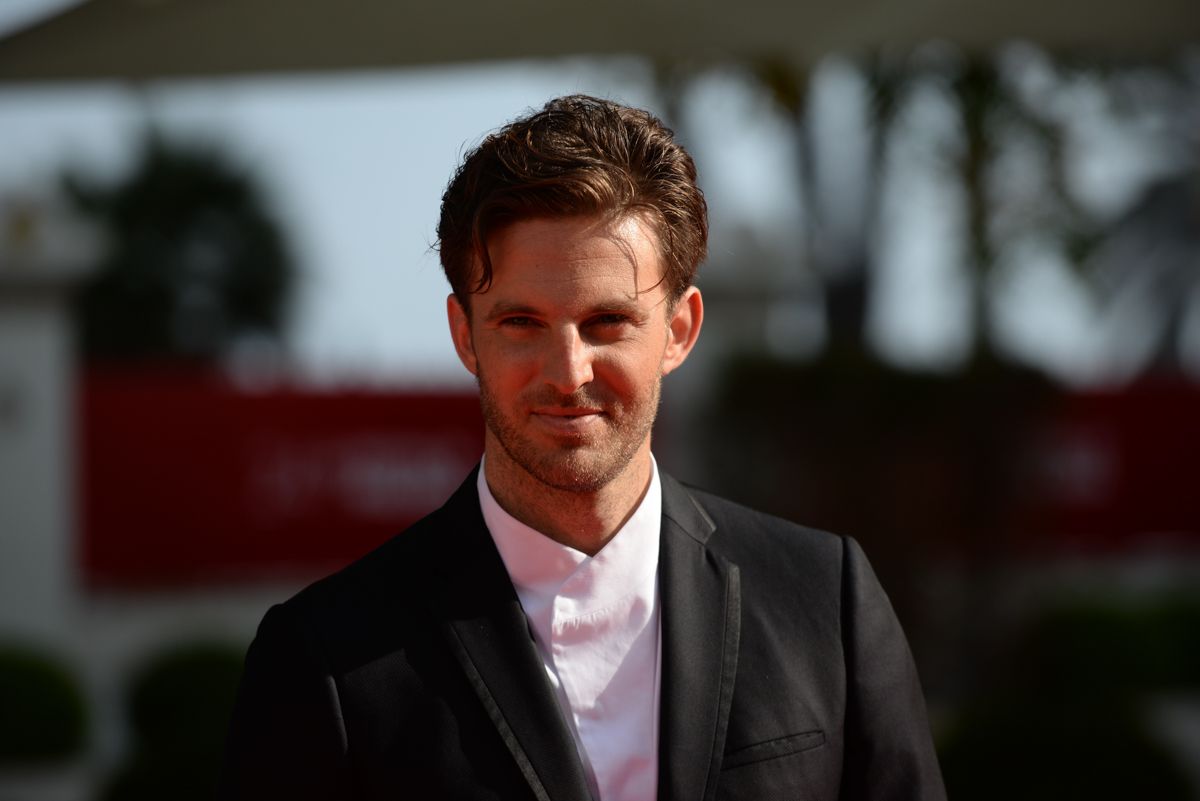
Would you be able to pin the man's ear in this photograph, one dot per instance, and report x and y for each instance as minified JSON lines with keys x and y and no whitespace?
{"x":683,"y":327}
{"x":460,"y":332}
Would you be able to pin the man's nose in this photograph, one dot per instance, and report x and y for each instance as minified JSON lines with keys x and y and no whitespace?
{"x":568,"y":365}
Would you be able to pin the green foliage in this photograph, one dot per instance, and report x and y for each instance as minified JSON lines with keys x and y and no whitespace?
{"x":179,"y":706}
{"x":1062,"y":720}
{"x":147,"y":778}
{"x":1018,"y":747}
{"x":182,"y":699}
{"x":193,"y":259}
{"x":43,"y":716}
{"x":1120,"y":649}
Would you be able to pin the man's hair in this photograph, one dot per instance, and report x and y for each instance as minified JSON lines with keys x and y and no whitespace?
{"x":578,"y":156}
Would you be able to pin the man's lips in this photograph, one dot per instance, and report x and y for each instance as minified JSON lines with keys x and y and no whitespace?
{"x":567,"y":418}
{"x":566,"y":411}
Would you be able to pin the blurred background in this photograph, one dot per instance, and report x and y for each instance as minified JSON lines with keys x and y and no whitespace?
{"x":953,"y":310}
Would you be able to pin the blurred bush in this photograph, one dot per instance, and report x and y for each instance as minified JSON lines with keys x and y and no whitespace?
{"x":43,"y":715}
{"x":1036,"y":748}
{"x":1105,"y":646}
{"x":1065,"y":715}
{"x":179,"y":708}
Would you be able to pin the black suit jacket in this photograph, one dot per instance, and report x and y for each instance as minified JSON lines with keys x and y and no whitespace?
{"x":412,"y":674}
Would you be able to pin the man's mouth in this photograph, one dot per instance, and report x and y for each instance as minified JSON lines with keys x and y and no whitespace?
{"x":567,"y":411}
{"x":568,"y":419}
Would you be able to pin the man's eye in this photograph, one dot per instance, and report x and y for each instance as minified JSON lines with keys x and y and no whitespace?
{"x":610,"y":319}
{"x":518,"y":322}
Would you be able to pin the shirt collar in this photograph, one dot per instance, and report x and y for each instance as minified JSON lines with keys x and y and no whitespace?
{"x":541,"y":567}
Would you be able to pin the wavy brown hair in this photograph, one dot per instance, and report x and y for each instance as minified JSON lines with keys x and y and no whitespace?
{"x":578,"y":156}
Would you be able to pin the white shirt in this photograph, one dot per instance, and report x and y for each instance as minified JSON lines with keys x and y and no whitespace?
{"x":596,"y":624}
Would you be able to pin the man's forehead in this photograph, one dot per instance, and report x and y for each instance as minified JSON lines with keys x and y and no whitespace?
{"x":574,"y":252}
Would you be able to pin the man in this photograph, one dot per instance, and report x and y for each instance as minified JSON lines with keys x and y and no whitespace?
{"x":574,"y":624}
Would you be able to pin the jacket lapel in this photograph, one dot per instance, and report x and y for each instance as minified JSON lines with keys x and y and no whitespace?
{"x":489,"y":635}
{"x":701,"y":620}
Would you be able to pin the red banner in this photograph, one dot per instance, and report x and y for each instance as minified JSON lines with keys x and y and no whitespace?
{"x":186,"y":479}
{"x":1117,"y":471}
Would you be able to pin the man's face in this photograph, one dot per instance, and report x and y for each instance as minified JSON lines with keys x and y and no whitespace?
{"x":569,"y":345}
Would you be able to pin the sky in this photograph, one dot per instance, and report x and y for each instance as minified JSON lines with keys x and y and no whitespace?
{"x":354,"y":166}
{"x":15,"y":14}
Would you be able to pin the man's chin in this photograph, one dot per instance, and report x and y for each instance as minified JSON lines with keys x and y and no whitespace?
{"x":577,"y":469}
{"x":573,"y":476}
{"x":577,"y":462}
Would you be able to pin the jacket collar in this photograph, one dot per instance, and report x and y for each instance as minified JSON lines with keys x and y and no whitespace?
{"x":701,"y":624}
{"x":486,"y":629}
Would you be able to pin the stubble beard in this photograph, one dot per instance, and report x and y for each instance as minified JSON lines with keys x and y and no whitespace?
{"x":583,"y":467}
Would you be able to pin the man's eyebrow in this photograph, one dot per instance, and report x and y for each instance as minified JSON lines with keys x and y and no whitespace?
{"x":506,"y":308}
{"x":623,"y":306}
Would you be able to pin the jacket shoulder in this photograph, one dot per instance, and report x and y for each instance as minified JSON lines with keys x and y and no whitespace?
{"x":740,"y":531}
{"x":367,"y":607}
{"x":389,"y":567}
{"x":783,"y":565}
{"x":403,"y":567}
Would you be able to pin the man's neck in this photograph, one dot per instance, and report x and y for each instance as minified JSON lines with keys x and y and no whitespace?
{"x":585,"y":521}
